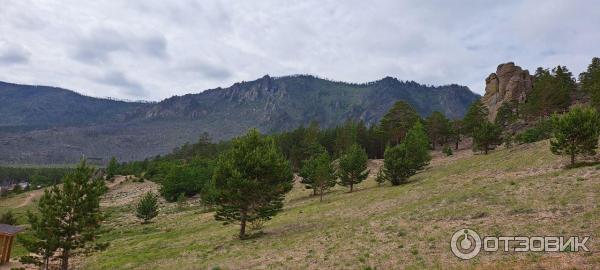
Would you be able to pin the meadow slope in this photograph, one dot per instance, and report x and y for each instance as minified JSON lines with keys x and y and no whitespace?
{"x":519,"y":191}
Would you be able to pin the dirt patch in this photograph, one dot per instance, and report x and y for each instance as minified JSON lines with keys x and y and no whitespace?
{"x":125,"y":190}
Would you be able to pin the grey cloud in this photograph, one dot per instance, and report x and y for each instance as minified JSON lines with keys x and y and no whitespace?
{"x":206,"y":70}
{"x":13,"y":56}
{"x":98,"y":46}
{"x":120,"y":80}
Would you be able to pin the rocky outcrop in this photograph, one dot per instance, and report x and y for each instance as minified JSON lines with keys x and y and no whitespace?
{"x":510,"y":83}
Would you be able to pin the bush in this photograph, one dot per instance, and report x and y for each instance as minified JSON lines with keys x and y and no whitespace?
{"x":541,"y":131}
{"x":147,"y":207}
{"x":189,"y":179}
{"x":8,"y":218}
{"x":447,"y":150}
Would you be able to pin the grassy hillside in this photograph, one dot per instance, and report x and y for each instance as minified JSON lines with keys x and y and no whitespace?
{"x":519,"y":191}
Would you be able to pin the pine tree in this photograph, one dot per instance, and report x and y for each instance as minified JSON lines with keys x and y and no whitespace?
{"x":575,"y":132}
{"x":486,"y":136}
{"x":438,"y":128}
{"x":551,"y":91}
{"x":353,"y":167}
{"x":250,"y":180}
{"x":318,"y":174}
{"x":69,"y":217}
{"x":147,"y":207}
{"x":112,"y":168}
{"x":476,"y":114}
{"x":417,"y":145}
{"x":456,"y":131}
{"x":397,"y":121}
{"x":590,"y":81}
{"x":404,"y":160}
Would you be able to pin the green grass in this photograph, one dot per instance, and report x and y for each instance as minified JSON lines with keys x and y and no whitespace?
{"x":518,"y":191}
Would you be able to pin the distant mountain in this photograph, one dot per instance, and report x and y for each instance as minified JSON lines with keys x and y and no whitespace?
{"x":25,"y":107}
{"x":51,"y":125}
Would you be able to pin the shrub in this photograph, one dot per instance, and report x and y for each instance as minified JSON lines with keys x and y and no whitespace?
{"x":8,"y":218}
{"x":147,"y":207}
{"x":541,"y":131}
{"x":447,"y":150}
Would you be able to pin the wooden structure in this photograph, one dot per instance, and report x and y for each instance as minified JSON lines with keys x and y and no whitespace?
{"x":7,"y":237}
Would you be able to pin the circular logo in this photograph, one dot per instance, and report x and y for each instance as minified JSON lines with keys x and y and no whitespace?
{"x":465,"y":244}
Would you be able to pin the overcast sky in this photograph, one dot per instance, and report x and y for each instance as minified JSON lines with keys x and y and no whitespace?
{"x":153,"y":49}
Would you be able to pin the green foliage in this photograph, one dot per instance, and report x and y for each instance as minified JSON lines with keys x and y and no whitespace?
{"x":8,"y":218}
{"x":147,"y":207}
{"x":575,"y":132}
{"x":439,"y":128}
{"x":506,"y":115}
{"x":456,"y":131}
{"x":318,"y":174}
{"x":447,"y":150}
{"x":352,"y":167}
{"x":181,"y":200}
{"x":250,"y":180}
{"x":397,"y":121}
{"x":381,"y":177}
{"x":486,"y":137}
{"x":190,"y":178}
{"x":551,"y":92}
{"x":541,"y":131}
{"x":69,"y":217}
{"x":37,"y":176}
{"x":112,"y":168}
{"x":590,"y":81}
{"x":476,"y":114}
{"x":404,"y":160}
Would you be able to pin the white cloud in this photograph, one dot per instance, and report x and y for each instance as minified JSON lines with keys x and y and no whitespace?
{"x":152,"y":49}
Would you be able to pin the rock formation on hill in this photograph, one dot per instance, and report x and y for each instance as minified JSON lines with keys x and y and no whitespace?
{"x":509,"y":83}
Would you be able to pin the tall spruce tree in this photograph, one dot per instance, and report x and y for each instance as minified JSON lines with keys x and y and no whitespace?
{"x":318,"y":174}
{"x":352,"y":167}
{"x":397,"y":121}
{"x":575,"y":132}
{"x":250,"y":180}
{"x":69,"y":217}
{"x":590,"y":81}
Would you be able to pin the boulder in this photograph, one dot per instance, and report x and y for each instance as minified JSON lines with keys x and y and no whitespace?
{"x":510,"y":83}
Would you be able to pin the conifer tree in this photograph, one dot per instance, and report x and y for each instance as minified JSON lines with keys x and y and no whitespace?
{"x":398,"y":120}
{"x":404,"y":160}
{"x":476,"y":114}
{"x":69,"y":217}
{"x":112,"y":168}
{"x":590,"y":81}
{"x":250,"y":180}
{"x":147,"y":207}
{"x":352,"y":167}
{"x":318,"y":174}
{"x":487,"y":136}
{"x":438,"y":128}
{"x":575,"y":132}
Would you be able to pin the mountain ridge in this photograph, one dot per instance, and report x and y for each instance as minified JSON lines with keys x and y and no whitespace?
{"x":61,"y":126}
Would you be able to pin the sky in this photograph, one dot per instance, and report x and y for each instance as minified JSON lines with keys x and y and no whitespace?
{"x":154,"y":49}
